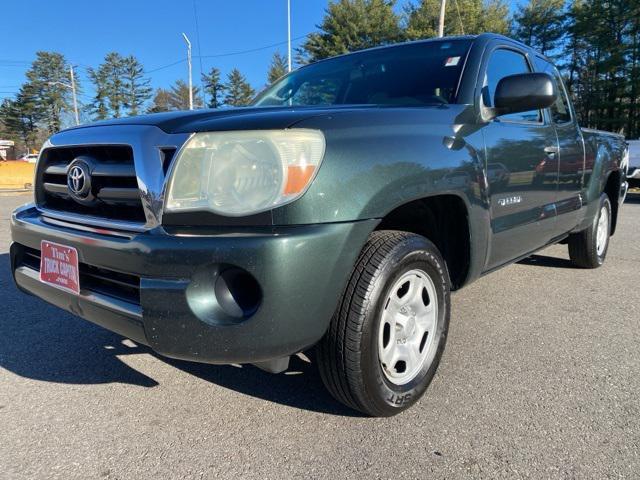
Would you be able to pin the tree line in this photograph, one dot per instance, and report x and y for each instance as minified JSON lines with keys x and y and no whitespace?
{"x":595,"y":43}
{"x":121,"y":89}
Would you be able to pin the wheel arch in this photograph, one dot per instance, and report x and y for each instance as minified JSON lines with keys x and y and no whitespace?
{"x":443,"y":218}
{"x":612,"y":187}
{"x":605,"y":160}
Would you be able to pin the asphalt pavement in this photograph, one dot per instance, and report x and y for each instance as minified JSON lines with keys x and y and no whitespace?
{"x":540,"y":379}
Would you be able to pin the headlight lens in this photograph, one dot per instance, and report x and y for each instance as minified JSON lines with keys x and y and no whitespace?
{"x":243,"y":173}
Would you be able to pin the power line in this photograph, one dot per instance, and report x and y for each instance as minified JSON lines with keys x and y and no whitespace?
{"x":23,"y":63}
{"x":177,"y":62}
{"x":227,"y":54}
{"x":266,"y":47}
{"x":166,"y":66}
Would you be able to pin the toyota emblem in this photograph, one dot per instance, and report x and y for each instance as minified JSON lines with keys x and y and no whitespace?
{"x":79,"y":180}
{"x":76,"y":179}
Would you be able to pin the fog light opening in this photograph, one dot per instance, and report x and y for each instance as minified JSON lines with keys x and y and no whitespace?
{"x":237,"y":293}
{"x":223,"y":294}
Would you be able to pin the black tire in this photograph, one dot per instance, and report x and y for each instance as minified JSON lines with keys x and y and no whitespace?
{"x":348,"y":354}
{"x":583,"y":246}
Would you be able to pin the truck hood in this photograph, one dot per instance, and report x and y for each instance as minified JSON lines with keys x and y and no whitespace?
{"x":260,"y":118}
{"x":243,"y":118}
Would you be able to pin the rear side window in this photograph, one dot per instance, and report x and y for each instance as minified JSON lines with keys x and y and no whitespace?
{"x":502,"y":64}
{"x":560,"y":110}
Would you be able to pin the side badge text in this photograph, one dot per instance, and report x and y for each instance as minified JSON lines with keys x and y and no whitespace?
{"x":505,"y":201}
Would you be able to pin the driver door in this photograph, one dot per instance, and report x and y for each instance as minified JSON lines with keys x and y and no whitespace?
{"x":522,"y":147}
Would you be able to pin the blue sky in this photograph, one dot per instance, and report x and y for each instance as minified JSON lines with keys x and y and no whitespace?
{"x":84,"y":31}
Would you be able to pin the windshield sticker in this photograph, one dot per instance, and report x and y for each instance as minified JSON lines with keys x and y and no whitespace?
{"x":452,"y":61}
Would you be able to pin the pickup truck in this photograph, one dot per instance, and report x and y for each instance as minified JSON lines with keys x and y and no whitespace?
{"x":633,"y":170}
{"x":337,"y":212}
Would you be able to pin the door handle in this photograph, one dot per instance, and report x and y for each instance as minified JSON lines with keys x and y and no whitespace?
{"x":551,"y":151}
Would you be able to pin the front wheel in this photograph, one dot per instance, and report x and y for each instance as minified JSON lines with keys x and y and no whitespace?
{"x":387,"y":336}
{"x":588,"y":248}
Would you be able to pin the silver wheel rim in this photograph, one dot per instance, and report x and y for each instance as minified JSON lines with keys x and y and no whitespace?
{"x":407,"y":334}
{"x":602,"y":233}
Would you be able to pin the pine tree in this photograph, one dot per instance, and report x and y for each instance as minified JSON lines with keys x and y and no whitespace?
{"x":599,"y":62}
{"x":13,"y":120}
{"x":113,"y":67}
{"x":4,"y":131}
{"x":48,"y":77}
{"x":422,"y":19}
{"x":179,"y":96}
{"x":239,"y":92}
{"x":108,"y":80}
{"x":120,"y":86}
{"x":213,"y":87}
{"x":99,"y":108}
{"x":494,"y":17}
{"x":278,"y":68}
{"x":135,"y":85}
{"x":540,"y":24}
{"x":161,"y":101}
{"x":350,"y":25}
{"x":633,"y":64}
{"x":20,"y":117}
{"x":463,"y":17}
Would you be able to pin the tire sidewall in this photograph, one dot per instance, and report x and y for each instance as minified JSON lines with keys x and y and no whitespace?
{"x":415,"y":253}
{"x":604,"y":202}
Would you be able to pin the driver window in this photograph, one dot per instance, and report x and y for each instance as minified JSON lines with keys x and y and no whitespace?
{"x":560,"y":110}
{"x":502,"y":64}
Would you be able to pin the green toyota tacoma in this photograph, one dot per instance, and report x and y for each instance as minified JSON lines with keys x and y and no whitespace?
{"x":337,"y":212}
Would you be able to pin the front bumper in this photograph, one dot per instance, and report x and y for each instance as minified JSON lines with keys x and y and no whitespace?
{"x":633,"y":177}
{"x":301,"y":272}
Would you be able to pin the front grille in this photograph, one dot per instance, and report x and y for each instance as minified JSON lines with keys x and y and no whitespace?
{"x":113,"y":182}
{"x":121,"y":286}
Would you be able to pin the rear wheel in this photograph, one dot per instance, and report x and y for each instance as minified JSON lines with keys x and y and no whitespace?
{"x":588,"y":248}
{"x":387,"y":336}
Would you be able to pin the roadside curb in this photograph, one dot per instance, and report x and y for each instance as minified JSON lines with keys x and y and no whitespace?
{"x":15,"y":190}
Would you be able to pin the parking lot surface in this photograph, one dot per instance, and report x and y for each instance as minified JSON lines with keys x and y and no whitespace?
{"x":540,"y":379}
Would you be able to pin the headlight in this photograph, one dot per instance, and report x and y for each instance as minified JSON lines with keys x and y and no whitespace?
{"x":243,"y":173}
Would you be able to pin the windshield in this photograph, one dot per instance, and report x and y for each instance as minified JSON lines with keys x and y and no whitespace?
{"x":423,"y":73}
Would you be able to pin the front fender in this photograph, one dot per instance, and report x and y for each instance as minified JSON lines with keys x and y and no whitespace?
{"x":380,"y":159}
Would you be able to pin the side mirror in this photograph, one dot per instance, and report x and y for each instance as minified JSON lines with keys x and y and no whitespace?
{"x":524,"y":92}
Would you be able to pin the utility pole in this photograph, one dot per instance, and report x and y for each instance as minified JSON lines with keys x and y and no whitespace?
{"x":75,"y":98}
{"x":441,"y":24}
{"x":71,"y":86}
{"x":289,"y":34}
{"x":186,"y":39}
